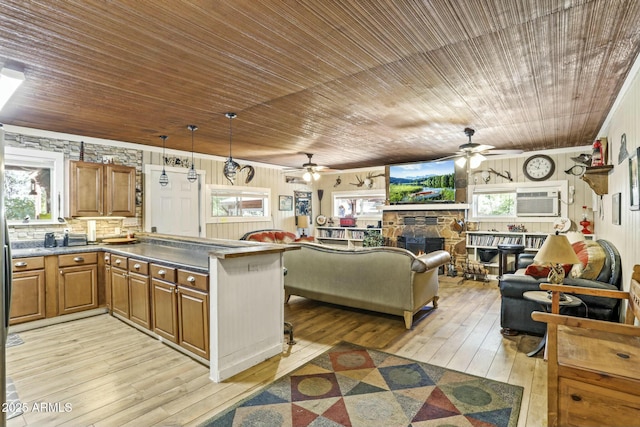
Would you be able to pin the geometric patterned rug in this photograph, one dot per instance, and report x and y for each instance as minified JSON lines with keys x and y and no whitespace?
{"x":13,"y":407}
{"x":358,"y":387}
{"x":13,"y":340}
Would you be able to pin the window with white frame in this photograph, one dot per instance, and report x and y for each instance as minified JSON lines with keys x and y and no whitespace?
{"x":238,"y":204}
{"x":535,"y":202}
{"x":33,"y":185}
{"x":359,"y":204}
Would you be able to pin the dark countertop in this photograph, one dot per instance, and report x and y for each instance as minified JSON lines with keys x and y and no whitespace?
{"x":189,"y":254}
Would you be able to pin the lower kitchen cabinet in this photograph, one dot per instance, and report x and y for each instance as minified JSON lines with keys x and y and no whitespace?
{"x":28,"y":290}
{"x":77,"y":282}
{"x":139,"y":293}
{"x":119,"y":286}
{"x":180,"y":308}
{"x":193,"y":316}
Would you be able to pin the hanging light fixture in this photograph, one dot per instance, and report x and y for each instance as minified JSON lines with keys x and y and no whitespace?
{"x":192,"y":176}
{"x":164,"y":178}
{"x":231,"y":168}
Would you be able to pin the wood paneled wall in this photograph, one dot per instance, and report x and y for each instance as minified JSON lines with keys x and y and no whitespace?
{"x":624,"y":120}
{"x":268,"y":177}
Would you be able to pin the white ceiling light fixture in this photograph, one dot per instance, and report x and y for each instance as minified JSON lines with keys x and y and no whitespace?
{"x":10,"y":80}
{"x":192,"y":176}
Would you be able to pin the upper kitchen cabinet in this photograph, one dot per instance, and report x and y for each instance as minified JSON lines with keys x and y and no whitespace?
{"x":98,"y":189}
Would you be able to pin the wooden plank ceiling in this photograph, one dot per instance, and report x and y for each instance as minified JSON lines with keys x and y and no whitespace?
{"x":357,"y":83}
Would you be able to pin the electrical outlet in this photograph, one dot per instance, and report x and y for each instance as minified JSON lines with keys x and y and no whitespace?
{"x":118,"y":230}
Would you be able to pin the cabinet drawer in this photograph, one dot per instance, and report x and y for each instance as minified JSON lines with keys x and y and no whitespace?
{"x":194,"y":280}
{"x":580,"y":403}
{"x":77,"y":259}
{"x":161,"y":272}
{"x":119,"y":261}
{"x":137,"y":266}
{"x":30,"y":263}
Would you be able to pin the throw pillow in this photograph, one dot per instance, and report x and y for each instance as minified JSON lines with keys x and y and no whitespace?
{"x":592,"y":258}
{"x":266,"y":237}
{"x":306,"y":239}
{"x":284,"y":237}
{"x":537,"y":270}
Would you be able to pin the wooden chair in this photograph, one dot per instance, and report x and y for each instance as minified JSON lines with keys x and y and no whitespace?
{"x":593,"y":366}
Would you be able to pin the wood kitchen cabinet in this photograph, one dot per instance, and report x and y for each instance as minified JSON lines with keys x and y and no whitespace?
{"x":119,"y":286}
{"x":98,"y":189}
{"x":130,"y":290}
{"x":139,"y":293}
{"x":77,"y":282}
{"x":28,"y":290}
{"x":181,"y":308}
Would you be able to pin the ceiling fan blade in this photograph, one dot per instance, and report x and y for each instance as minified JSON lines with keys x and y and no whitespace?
{"x":498,"y":152}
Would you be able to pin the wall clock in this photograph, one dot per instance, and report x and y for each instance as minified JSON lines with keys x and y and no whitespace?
{"x":539,"y":167}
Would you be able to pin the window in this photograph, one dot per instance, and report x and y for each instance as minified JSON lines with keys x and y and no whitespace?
{"x":360,"y":204}
{"x":533,"y":202}
{"x":33,"y":186}
{"x":494,"y":205}
{"x":238,"y":204}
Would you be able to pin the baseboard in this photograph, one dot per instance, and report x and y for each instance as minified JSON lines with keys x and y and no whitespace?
{"x":55,"y":320}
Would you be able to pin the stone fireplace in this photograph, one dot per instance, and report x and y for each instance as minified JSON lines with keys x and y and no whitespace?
{"x":413,"y":227}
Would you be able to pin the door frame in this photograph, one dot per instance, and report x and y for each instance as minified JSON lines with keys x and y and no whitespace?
{"x":148,"y":195}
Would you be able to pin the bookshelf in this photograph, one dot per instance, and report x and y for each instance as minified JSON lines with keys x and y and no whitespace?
{"x":345,"y":236}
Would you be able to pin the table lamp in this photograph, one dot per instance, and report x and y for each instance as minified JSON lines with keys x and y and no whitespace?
{"x":302,"y":222}
{"x":556,"y":251}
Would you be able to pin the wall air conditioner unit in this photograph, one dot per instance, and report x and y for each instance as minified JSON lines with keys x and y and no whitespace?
{"x":537,"y":202}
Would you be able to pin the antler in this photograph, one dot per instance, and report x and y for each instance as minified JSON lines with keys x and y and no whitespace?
{"x":370,"y":175}
{"x":360,"y":182}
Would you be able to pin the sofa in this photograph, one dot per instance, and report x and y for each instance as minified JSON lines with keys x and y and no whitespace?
{"x":275,"y":236}
{"x":599,"y":268}
{"x":382,"y":279}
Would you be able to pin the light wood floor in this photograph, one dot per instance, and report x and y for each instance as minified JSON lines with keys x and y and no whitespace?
{"x":114,"y":375}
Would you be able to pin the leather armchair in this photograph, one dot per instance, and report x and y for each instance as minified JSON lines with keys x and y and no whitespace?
{"x":515,"y":311}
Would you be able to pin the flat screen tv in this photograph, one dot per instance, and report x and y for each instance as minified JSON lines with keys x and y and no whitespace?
{"x":422,"y":182}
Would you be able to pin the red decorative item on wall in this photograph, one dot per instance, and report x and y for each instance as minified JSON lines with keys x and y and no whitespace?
{"x":597,"y":158}
{"x":585,"y":223}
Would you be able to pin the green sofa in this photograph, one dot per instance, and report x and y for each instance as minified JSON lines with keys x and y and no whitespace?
{"x":387,"y":280}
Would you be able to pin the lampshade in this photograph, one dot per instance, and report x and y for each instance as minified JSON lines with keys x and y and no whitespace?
{"x":556,"y":249}
{"x":461,"y":161}
{"x":303,"y":221}
{"x":307,"y":176}
{"x":10,"y":80}
{"x":476,"y":160}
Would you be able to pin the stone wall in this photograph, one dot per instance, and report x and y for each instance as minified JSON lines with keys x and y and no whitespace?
{"x":427,"y":223}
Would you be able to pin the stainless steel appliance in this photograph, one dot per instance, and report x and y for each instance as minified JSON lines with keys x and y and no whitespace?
{"x":5,"y":277}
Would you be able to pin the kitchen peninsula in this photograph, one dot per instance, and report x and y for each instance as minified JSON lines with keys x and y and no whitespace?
{"x":220,"y":300}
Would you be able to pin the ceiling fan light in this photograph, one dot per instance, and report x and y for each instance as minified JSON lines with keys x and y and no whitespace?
{"x":316,"y":175}
{"x":307,"y":176}
{"x":461,"y":161}
{"x":476,"y":160}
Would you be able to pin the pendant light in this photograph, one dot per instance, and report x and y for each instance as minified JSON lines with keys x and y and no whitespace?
{"x":192,"y":176}
{"x":164,"y":178}
{"x":230,"y":166}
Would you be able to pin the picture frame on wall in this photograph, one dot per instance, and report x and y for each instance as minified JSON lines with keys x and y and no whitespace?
{"x":302,"y":203}
{"x":615,"y":208}
{"x":285,"y":203}
{"x":634,"y":181}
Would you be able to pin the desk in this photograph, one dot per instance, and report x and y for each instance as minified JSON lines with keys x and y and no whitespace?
{"x":543,"y":298}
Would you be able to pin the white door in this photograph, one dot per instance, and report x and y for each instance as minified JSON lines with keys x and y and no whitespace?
{"x":174,"y":208}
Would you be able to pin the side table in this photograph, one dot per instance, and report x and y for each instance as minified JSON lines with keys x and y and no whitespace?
{"x":544,"y":299}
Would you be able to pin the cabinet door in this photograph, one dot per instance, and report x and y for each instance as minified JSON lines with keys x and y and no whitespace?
{"x":139,"y":311}
{"x":193,"y":315}
{"x":120,"y":197}
{"x":27,"y":297}
{"x":165,"y":309}
{"x":120,"y":292}
{"x":77,"y":288}
{"x":86,"y":189}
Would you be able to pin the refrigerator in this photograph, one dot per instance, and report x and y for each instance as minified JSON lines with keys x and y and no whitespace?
{"x":5,"y":276}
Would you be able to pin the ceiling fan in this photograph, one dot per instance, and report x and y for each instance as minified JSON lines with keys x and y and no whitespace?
{"x":311,"y":169}
{"x":475,"y":153}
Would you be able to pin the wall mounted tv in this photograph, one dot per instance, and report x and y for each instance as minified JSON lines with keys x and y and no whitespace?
{"x":422,"y":182}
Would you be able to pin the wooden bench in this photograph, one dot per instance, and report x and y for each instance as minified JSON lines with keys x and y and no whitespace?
{"x":593,"y":365}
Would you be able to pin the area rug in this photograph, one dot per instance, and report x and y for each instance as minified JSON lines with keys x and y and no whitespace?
{"x":358,"y":387}
{"x":13,"y":406}
{"x":13,"y":340}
